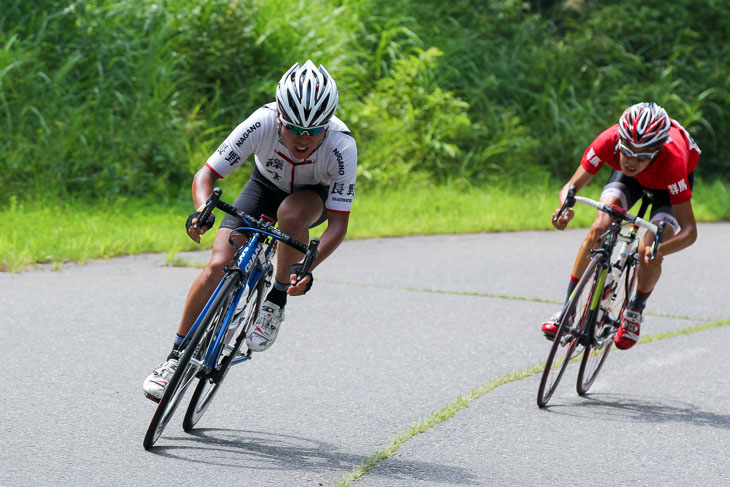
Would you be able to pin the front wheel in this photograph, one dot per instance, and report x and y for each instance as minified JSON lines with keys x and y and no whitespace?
{"x":189,"y":364}
{"x":596,"y":354}
{"x":210,"y":382}
{"x":187,"y":368}
{"x":572,"y":324}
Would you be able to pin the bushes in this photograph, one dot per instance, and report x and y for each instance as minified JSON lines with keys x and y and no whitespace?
{"x":107,"y":97}
{"x":411,"y":125}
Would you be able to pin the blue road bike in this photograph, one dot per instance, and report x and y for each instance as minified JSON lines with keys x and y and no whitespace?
{"x":214,"y":342}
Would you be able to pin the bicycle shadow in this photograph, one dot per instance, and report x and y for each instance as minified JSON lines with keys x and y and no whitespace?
{"x":258,"y":450}
{"x":653,"y":410}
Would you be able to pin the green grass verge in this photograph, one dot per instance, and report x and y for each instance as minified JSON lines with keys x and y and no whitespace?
{"x":54,"y":233}
{"x":73,"y":232}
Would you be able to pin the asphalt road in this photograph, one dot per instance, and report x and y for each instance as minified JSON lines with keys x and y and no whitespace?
{"x":393,"y":330}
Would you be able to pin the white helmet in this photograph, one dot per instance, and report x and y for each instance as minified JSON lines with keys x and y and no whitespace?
{"x":644,"y":125}
{"x":307,"y":96}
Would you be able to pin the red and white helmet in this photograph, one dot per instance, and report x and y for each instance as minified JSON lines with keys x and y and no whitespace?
{"x":644,"y":125}
{"x":307,"y":96}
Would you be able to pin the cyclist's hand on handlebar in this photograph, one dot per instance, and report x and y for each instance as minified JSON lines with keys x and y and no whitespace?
{"x":567,"y":201}
{"x":562,"y":222}
{"x":298,"y":288}
{"x":195,"y":233}
{"x":656,"y":260}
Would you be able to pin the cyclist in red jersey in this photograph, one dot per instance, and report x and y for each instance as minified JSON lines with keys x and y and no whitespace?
{"x":647,"y":150}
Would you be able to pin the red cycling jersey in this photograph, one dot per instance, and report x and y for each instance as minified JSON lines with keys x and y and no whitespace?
{"x":677,"y":159}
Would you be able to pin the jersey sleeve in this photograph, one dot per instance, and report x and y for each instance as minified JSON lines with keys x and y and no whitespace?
{"x":600,"y":151}
{"x":682,"y":154}
{"x":343,"y":173}
{"x":240,"y":143}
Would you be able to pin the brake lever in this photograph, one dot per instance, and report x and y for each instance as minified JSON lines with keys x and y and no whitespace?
{"x":309,"y":257}
{"x":658,"y":238}
{"x":569,"y":202}
{"x":209,"y":206}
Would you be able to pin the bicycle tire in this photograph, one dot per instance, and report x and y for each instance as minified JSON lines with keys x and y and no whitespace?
{"x":187,"y":369}
{"x":209,"y":384}
{"x":565,"y":341}
{"x":595,"y":355}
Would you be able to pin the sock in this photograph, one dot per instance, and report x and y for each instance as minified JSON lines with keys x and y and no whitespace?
{"x":571,"y":286}
{"x":638,"y":302}
{"x":278,"y":295}
{"x":175,"y":346}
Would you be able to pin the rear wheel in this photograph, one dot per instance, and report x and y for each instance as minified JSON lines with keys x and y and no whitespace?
{"x":572,"y":323}
{"x":211,"y":381}
{"x":189,"y":364}
{"x":610,"y":316}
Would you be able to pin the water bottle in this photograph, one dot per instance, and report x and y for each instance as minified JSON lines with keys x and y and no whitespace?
{"x":614,"y":272}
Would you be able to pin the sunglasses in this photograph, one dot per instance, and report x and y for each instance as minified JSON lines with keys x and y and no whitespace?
{"x":297,"y":130}
{"x":639,"y":156}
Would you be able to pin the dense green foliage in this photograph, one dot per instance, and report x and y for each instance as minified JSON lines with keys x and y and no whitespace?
{"x":108,"y":98}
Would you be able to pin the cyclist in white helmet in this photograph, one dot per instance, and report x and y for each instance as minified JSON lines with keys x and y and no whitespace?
{"x":304,"y":174}
{"x":646,"y":150}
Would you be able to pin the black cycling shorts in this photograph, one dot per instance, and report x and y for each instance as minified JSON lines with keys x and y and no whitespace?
{"x":261,"y":197}
{"x":628,"y":190}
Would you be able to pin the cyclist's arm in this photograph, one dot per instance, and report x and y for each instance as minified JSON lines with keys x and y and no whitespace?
{"x":203,"y":184}
{"x":331,"y":239}
{"x":333,"y":236}
{"x":580,"y":178}
{"x":687,"y":234}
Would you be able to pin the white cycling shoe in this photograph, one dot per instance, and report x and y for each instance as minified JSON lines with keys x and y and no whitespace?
{"x":266,"y":328}
{"x":155,"y":384}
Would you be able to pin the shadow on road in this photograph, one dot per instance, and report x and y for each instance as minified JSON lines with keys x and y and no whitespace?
{"x":623,"y":408}
{"x":257,"y":450}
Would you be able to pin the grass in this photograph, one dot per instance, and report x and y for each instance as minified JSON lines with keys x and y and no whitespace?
{"x":457,"y":208}
{"x":424,"y":424}
{"x":77,"y":232}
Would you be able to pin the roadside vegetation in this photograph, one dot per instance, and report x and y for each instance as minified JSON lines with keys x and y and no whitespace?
{"x":468,"y":115}
{"x":39,"y":233}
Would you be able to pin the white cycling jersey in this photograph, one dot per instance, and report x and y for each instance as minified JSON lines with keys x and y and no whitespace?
{"x":333,"y":163}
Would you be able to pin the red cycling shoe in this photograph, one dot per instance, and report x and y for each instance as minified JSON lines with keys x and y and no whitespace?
{"x":550,"y":326}
{"x":628,"y":334}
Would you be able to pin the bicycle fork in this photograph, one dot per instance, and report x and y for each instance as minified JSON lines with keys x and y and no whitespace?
{"x":596,"y":314}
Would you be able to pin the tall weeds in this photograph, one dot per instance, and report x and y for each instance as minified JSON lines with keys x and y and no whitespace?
{"x":101,"y":99}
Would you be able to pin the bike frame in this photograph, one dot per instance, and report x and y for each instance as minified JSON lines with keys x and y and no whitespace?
{"x":586,"y":336}
{"x":207,"y":360}
{"x":251,"y":258}
{"x":612,"y":237}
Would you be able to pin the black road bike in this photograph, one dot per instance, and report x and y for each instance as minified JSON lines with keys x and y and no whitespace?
{"x":593,"y":313}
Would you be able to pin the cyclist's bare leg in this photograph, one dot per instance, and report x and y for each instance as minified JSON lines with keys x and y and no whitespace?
{"x":598,"y":228}
{"x":650,"y":270}
{"x":296,"y":214}
{"x":206,"y":282}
